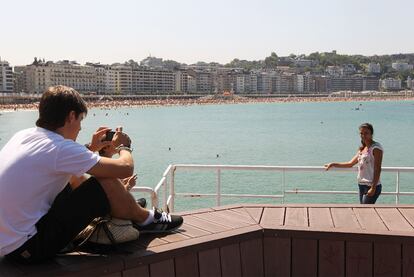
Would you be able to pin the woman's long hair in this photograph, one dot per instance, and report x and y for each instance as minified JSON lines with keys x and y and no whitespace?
{"x":365,"y":126}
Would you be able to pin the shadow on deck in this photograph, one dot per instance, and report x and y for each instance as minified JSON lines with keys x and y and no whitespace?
{"x":258,"y":240}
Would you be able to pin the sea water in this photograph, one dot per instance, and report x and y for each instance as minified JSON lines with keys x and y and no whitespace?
{"x":282,"y":134}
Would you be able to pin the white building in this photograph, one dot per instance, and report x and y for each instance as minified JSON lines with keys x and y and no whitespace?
{"x":40,"y":75}
{"x":264,"y":82}
{"x":253,"y":82}
{"x":6,"y":77}
{"x":390,"y":84}
{"x":334,"y":70}
{"x":240,"y":84}
{"x":152,"y":62}
{"x":304,"y":63}
{"x":300,"y":83}
{"x":410,"y":83}
{"x":191,"y":83}
{"x":402,"y":66}
{"x":374,"y":68}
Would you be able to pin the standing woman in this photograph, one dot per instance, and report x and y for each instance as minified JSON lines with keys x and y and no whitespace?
{"x":369,"y":160}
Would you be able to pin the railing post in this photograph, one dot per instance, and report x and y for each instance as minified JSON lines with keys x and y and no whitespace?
{"x":397,"y":189}
{"x":164,"y":184}
{"x":172,"y":189}
{"x":218,"y":187}
{"x":283,"y":185}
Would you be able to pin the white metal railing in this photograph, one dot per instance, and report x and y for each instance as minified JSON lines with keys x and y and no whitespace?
{"x":167,"y":182}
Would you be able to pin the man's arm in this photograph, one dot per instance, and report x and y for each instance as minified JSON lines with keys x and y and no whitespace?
{"x":121,"y":167}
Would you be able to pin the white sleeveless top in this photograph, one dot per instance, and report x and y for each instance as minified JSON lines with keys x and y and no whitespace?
{"x":366,"y":165}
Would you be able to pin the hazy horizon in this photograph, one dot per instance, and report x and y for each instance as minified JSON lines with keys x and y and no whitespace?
{"x":188,"y":31}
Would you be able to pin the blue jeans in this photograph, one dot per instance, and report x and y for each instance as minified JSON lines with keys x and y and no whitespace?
{"x":364,"y":199}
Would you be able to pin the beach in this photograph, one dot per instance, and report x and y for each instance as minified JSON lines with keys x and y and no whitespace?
{"x":209,"y":100}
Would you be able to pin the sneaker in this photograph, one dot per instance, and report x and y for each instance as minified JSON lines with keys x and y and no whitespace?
{"x":142,"y":202}
{"x":163,"y":223}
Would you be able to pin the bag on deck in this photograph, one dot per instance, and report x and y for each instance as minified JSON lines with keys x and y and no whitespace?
{"x":108,"y":230}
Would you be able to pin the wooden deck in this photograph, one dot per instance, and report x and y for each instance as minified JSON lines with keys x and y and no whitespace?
{"x":252,"y":240}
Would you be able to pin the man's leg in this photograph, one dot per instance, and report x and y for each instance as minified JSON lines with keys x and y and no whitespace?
{"x":70,"y":213}
{"x":123,"y":204}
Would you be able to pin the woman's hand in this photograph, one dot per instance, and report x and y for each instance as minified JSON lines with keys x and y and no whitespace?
{"x":371,"y":191}
{"x":328,"y":166}
{"x":130,"y":182}
{"x":97,"y":142}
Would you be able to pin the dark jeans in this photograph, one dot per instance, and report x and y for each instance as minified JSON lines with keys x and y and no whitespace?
{"x":70,"y":213}
{"x":364,"y":199}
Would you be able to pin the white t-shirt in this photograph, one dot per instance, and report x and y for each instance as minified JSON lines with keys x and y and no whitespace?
{"x":366,"y":162}
{"x":35,"y":166}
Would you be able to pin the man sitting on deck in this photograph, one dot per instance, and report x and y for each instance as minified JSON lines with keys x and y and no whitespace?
{"x":40,"y":210}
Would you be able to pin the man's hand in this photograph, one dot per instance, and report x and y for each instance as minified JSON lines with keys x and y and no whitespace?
{"x":97,"y":142}
{"x":371,"y":191}
{"x":120,"y":138}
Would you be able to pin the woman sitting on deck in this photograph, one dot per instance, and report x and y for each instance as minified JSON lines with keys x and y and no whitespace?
{"x":369,"y":159}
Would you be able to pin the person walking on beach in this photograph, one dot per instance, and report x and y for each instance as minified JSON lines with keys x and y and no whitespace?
{"x":369,"y":160}
{"x":41,"y":208}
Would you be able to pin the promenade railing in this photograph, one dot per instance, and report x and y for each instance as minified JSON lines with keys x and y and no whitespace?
{"x":166,"y":185}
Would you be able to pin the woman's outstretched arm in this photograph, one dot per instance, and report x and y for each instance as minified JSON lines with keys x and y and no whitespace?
{"x":351,"y":163}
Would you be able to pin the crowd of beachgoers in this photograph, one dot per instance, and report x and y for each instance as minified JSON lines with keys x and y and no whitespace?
{"x":208,"y":100}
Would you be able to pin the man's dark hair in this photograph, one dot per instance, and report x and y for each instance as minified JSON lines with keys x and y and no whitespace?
{"x":56,"y":104}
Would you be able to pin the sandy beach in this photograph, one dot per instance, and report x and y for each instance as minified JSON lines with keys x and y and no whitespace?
{"x":210,"y":100}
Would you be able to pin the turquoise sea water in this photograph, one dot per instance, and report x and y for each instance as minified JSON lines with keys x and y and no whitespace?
{"x":254,"y":134}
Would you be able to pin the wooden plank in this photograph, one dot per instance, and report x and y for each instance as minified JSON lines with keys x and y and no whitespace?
{"x":369,"y":219}
{"x":115,"y":274}
{"x":296,"y":217}
{"x":242,"y":212}
{"x":186,"y":265}
{"x":255,"y":213}
{"x":192,"y":231}
{"x":359,"y":259}
{"x":387,"y":259}
{"x":217,"y":217}
{"x":320,"y":218}
{"x":150,"y":240}
{"x":142,"y":271}
{"x":174,"y":237}
{"x":163,"y":268}
{"x":331,"y":258}
{"x":8,"y":269}
{"x":209,"y":262}
{"x":251,"y":253}
{"x":236,"y":218}
{"x":304,"y":257}
{"x":51,"y":267}
{"x":276,"y":256}
{"x":194,"y":244}
{"x":272,"y":217}
{"x":408,"y":213}
{"x":408,"y":260}
{"x":192,"y":212}
{"x":393,"y":219}
{"x":344,"y":218}
{"x":205,"y":224}
{"x":230,"y":260}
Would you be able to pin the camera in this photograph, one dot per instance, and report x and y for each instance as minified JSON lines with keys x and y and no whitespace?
{"x":109,"y":135}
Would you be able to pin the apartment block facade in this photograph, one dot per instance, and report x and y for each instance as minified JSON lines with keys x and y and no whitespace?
{"x":6,"y":77}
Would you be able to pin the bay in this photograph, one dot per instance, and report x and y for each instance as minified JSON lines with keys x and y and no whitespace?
{"x":306,"y":133}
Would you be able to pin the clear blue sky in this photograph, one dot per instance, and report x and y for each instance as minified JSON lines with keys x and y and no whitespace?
{"x":191,"y":30}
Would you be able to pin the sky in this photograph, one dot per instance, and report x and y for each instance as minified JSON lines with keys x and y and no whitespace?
{"x":188,"y":31}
